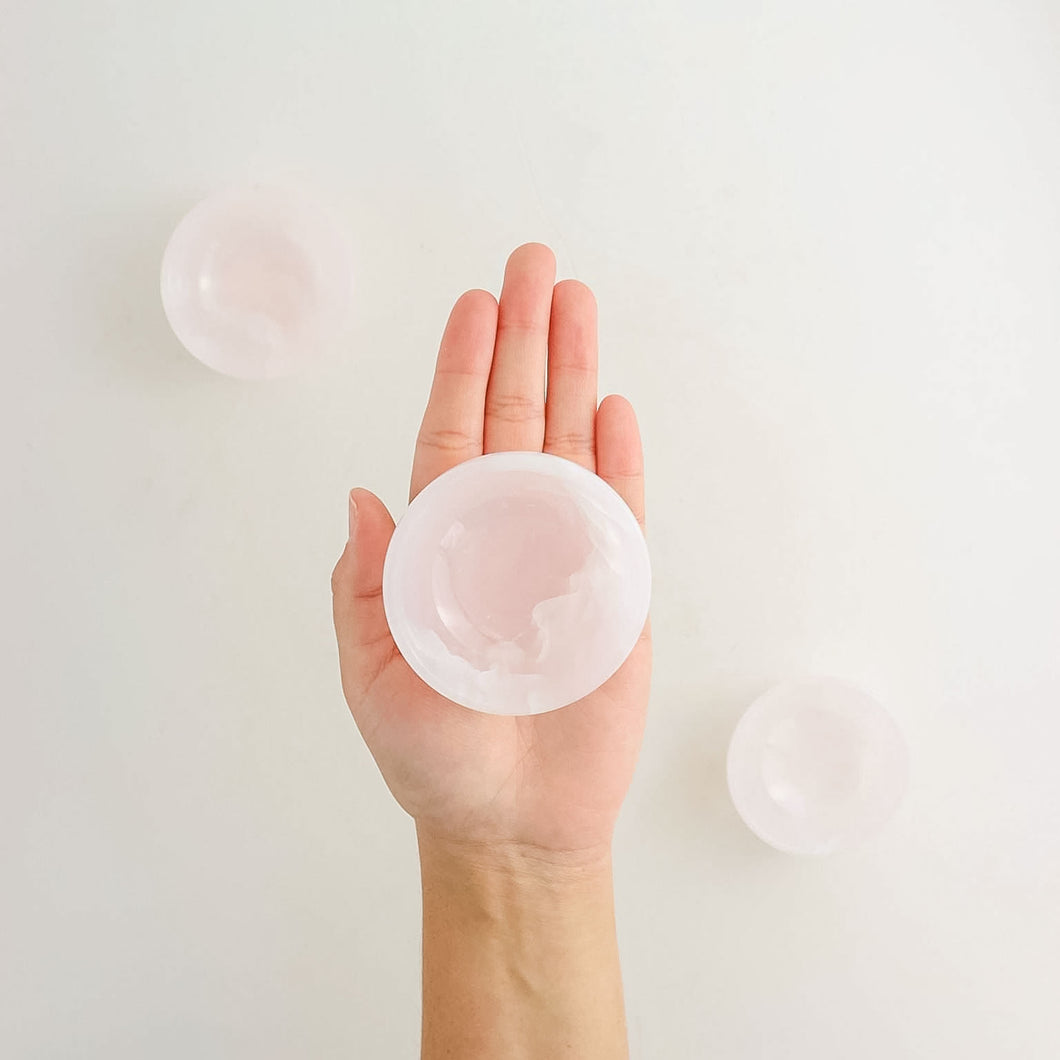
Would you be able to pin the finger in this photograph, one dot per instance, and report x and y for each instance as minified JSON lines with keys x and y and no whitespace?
{"x":515,"y":395}
{"x":365,"y":644}
{"x":619,"y":456}
{"x":570,"y":403}
{"x":451,"y":431}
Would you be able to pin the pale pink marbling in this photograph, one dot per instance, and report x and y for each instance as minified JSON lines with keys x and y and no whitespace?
{"x":516,"y":583}
{"x":257,"y":281}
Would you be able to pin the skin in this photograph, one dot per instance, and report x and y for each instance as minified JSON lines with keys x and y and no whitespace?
{"x":514,"y":815}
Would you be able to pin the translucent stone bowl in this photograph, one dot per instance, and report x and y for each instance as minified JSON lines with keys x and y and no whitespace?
{"x":257,"y":281}
{"x":516,"y":583}
{"x":816,"y":765}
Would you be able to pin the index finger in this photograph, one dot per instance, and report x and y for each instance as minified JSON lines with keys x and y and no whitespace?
{"x":451,"y":431}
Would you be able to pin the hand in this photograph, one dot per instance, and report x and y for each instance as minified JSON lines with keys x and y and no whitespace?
{"x":547,"y":784}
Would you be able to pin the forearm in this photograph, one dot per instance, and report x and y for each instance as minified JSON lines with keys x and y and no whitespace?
{"x":520,"y":957}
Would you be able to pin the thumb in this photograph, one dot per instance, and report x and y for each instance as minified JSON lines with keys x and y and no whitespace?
{"x":364,"y":638}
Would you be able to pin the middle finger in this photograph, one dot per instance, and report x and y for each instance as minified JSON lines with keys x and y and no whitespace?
{"x":515,"y":394}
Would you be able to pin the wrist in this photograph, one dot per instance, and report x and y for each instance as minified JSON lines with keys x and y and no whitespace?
{"x":520,"y":956}
{"x":521,"y":864}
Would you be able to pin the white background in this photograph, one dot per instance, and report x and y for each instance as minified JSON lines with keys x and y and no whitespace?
{"x":825,"y":243}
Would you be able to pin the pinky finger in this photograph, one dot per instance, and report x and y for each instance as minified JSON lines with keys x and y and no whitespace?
{"x":619,"y":456}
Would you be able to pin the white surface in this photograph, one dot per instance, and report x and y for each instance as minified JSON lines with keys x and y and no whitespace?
{"x":825,"y":242}
{"x":517,"y":583}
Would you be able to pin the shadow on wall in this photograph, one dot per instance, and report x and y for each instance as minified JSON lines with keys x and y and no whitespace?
{"x":131,"y":332}
{"x":686,"y":799}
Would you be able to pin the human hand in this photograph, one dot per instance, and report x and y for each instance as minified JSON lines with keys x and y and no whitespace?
{"x":547,"y":784}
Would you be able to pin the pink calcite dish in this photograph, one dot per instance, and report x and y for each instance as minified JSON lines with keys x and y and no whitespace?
{"x":257,"y":281}
{"x":816,"y":765}
{"x":517,"y":583}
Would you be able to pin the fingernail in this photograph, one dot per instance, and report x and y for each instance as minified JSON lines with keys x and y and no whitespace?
{"x":353,"y":515}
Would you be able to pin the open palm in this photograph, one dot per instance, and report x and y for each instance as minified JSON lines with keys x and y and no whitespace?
{"x":552,"y":782}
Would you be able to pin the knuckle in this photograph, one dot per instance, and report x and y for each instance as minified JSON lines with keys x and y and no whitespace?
{"x":626,"y":479}
{"x":578,"y":443}
{"x":515,"y":408}
{"x":372,"y":592}
{"x":446,"y":440}
{"x":510,"y":324}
